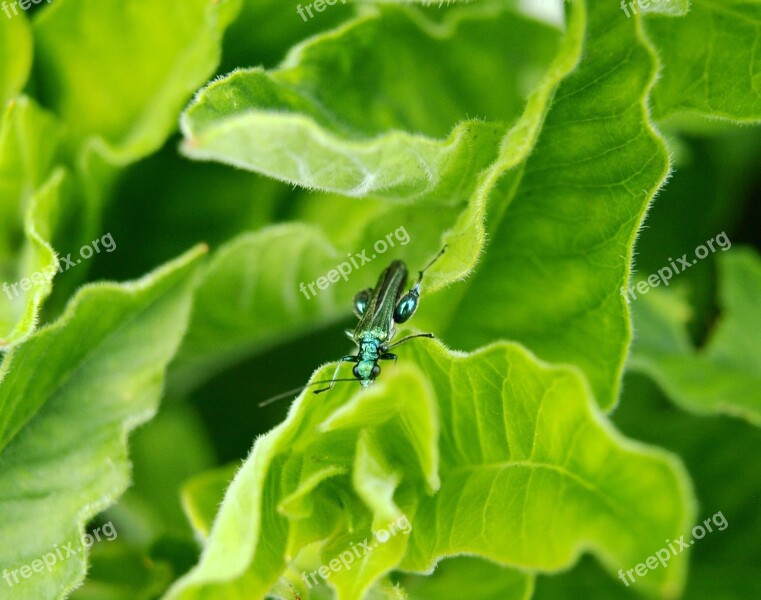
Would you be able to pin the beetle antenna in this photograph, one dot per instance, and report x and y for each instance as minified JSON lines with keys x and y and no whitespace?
{"x":430,"y":264}
{"x":273,"y":399}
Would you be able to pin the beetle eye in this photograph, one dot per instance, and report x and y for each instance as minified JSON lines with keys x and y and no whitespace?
{"x":355,"y":370}
{"x":361,"y":300}
{"x":406,"y":306}
{"x":376,"y":371}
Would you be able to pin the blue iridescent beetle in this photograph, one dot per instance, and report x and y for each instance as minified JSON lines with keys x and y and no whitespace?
{"x":379,"y":309}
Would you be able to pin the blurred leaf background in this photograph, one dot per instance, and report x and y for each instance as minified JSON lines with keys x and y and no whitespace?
{"x":93,"y":93}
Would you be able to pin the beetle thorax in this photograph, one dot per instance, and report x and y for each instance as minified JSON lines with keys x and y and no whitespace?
{"x":369,"y":350}
{"x":375,"y":336}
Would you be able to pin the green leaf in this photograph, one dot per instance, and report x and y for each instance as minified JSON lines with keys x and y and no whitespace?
{"x":562,"y":232}
{"x":713,"y":178}
{"x":28,"y":149}
{"x":152,"y":504}
{"x":539,"y":207}
{"x":144,"y":58}
{"x":248,"y":298}
{"x":725,"y":375}
{"x":353,"y":142}
{"x":68,"y":398}
{"x":232,"y":116}
{"x":38,"y":265}
{"x":30,"y":202}
{"x":503,"y":457}
{"x":224,"y":110}
{"x":523,"y":144}
{"x":266,"y":29}
{"x":118,"y":76}
{"x":472,"y":578}
{"x":722,"y":563}
{"x":587,"y":580}
{"x":118,"y":573}
{"x":202,"y":495}
{"x":709,"y":63}
{"x":656,"y":7}
{"x":15,"y":42}
{"x":711,"y":446}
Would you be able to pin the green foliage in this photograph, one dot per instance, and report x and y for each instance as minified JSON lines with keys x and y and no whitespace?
{"x":725,"y":375}
{"x":33,"y":190}
{"x":530,"y":146}
{"x":16,"y":40}
{"x":68,"y":397}
{"x":144,"y":58}
{"x":702,"y":73}
{"x":440,"y":455}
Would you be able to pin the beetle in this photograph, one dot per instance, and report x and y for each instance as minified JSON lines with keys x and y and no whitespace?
{"x":379,"y":310}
